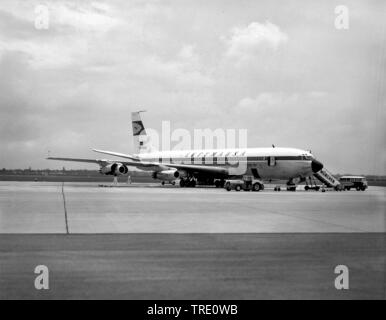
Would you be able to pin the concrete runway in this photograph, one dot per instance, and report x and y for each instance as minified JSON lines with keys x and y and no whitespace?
{"x":193,"y":266}
{"x":28,"y":207}
{"x":149,"y":242}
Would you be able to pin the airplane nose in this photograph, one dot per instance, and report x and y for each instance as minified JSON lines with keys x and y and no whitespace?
{"x":316,"y":166}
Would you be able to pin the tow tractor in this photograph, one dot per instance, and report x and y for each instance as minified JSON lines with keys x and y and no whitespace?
{"x":247,"y":183}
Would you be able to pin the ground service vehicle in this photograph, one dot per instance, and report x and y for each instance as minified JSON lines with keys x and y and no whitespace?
{"x":356,"y":182}
{"x":246,"y":184}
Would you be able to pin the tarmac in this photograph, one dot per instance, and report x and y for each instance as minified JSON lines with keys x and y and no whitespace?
{"x":29,"y":207}
{"x":145,"y":241}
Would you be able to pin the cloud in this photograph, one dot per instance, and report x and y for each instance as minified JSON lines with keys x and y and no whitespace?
{"x":61,"y":44}
{"x":244,"y":42}
{"x":94,"y":17}
{"x":267,"y":100}
{"x":189,"y":55}
{"x":294,"y":81}
{"x":173,"y":72}
{"x":279,"y":101}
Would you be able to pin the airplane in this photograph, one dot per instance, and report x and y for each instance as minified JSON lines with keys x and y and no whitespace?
{"x":209,"y":167}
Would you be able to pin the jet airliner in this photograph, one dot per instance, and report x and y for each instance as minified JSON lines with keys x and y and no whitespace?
{"x":211,"y":167}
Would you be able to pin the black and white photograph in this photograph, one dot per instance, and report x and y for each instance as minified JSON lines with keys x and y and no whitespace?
{"x":192,"y":155}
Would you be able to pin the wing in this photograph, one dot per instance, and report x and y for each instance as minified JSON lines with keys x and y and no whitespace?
{"x":156,"y":166}
{"x":102,"y":162}
{"x":117,"y":154}
{"x":96,"y":161}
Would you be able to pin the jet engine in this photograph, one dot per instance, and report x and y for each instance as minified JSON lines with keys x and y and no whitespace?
{"x":166,"y":175}
{"x":115,"y":169}
{"x":180,"y":174}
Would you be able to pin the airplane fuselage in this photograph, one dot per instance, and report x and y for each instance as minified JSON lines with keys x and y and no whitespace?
{"x":262,"y":163}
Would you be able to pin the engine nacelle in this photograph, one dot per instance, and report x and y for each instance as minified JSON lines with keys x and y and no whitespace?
{"x":181,"y":174}
{"x":115,"y":169}
{"x":166,"y":175}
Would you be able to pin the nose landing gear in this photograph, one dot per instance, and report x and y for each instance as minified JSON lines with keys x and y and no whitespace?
{"x":312,"y":185}
{"x":291,"y":185}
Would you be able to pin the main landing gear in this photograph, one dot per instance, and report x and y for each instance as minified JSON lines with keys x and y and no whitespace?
{"x":219,"y":183}
{"x":189,"y":182}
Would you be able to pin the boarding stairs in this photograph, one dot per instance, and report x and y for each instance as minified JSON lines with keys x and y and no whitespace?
{"x":327,"y":178}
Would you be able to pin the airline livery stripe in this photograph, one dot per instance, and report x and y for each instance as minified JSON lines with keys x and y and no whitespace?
{"x":223,"y":159}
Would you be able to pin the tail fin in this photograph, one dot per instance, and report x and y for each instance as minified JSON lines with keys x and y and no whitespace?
{"x":142,"y":142}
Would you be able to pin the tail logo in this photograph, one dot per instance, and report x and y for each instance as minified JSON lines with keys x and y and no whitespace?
{"x":138,"y":128}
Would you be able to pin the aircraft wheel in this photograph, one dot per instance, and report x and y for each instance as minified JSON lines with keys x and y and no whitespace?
{"x":173,"y":183}
{"x":163,"y":183}
{"x":182,"y":183}
{"x":306,"y":188}
{"x":193,"y":183}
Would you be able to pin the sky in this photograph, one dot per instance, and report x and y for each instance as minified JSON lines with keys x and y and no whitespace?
{"x":71,"y":72}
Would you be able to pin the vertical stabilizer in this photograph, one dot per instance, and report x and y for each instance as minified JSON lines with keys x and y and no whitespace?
{"x":142,"y":142}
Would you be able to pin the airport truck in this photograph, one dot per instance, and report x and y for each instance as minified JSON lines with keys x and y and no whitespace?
{"x":355,"y":182}
{"x":247,"y":183}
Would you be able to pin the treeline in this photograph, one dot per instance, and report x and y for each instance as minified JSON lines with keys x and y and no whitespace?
{"x":56,"y":172}
{"x":48,"y":172}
